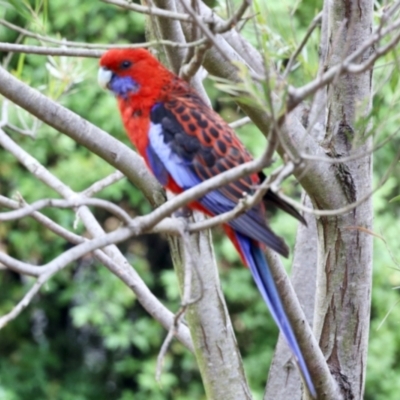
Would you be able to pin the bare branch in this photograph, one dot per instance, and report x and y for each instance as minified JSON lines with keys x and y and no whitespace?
{"x":128,"y":275}
{"x":114,"y":261}
{"x":190,"y":265}
{"x":6,"y":202}
{"x":103,"y":183}
{"x":351,"y":206}
{"x":240,"y":122}
{"x":348,"y":65}
{"x":78,"y":201}
{"x":61,"y":42}
{"x":247,"y":202}
{"x":45,"y":221}
{"x":222,"y":27}
{"x":5,"y":319}
{"x":98,"y":46}
{"x":167,"y":341}
{"x":356,"y":156}
{"x":189,"y":70}
{"x":315,"y":22}
{"x":163,"y":225}
{"x":49,"y":51}
{"x":19,"y":266}
{"x":232,"y":42}
{"x":86,"y":52}
{"x":158,"y":12}
{"x":24,"y":132}
{"x":204,"y":28}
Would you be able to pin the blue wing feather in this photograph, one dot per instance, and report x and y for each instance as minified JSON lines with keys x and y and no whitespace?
{"x":157,"y":166}
{"x":176,"y":166}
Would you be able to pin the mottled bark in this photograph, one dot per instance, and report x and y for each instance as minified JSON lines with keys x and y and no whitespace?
{"x":345,"y":250}
{"x":210,"y":326}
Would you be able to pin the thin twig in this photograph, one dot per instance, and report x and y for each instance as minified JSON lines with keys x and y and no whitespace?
{"x":387,"y":315}
{"x":297,"y":95}
{"x":315,"y":22}
{"x":5,"y":319}
{"x":240,"y":122}
{"x":103,"y":183}
{"x":96,"y":46}
{"x":204,"y":28}
{"x":340,"y":160}
{"x":50,"y":51}
{"x":86,"y":52}
{"x":78,"y":201}
{"x":247,"y":202}
{"x":24,"y":132}
{"x":234,"y":19}
{"x":190,"y":265}
{"x":190,"y":69}
{"x":349,"y":207}
{"x":158,"y":12}
{"x":167,"y":341}
{"x":4,"y":113}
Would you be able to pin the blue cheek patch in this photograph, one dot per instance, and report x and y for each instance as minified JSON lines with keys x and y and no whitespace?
{"x":124,"y":85}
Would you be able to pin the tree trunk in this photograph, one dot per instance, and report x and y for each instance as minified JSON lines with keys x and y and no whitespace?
{"x":210,"y":326}
{"x":345,"y":247}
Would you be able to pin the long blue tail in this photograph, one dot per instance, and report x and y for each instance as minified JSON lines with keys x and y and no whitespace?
{"x":260,"y":270}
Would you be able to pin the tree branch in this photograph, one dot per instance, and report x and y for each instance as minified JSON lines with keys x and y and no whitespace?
{"x":115,"y":261}
{"x":78,"y":201}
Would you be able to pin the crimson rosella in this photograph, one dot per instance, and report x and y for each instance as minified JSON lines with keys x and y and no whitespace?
{"x":185,"y":142}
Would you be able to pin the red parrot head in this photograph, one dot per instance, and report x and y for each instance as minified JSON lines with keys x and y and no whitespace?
{"x":130,"y":72}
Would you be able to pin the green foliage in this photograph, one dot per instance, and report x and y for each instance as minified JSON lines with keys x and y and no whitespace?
{"x":85,"y":336}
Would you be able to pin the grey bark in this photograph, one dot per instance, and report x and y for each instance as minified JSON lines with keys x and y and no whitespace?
{"x":216,"y":350}
{"x":345,"y":253}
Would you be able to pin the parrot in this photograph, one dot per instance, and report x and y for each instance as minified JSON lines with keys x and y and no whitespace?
{"x":184,"y":142}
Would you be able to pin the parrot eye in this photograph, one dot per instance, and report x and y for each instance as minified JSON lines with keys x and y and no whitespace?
{"x":125,"y":64}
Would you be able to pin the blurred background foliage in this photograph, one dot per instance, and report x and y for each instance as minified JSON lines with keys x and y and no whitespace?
{"x":85,"y":336}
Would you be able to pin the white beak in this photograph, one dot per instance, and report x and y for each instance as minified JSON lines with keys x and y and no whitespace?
{"x":104,"y":77}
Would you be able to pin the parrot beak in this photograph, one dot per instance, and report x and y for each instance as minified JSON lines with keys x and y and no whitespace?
{"x":104,"y":77}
